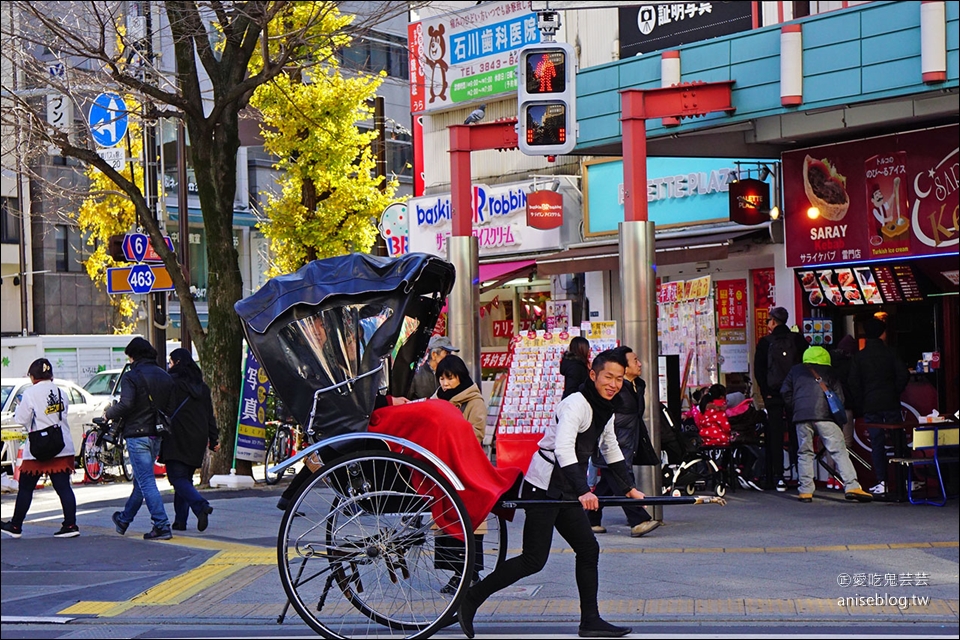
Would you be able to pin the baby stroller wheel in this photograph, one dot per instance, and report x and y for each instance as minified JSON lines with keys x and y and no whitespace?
{"x":691,"y":489}
{"x":721,"y":490}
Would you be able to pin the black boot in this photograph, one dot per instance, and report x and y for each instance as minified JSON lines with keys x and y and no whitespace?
{"x":466,"y":612}
{"x":599,"y":628}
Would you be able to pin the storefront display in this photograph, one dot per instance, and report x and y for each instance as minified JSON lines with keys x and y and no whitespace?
{"x":818,"y":331}
{"x":731,"y":299}
{"x":867,"y":285}
{"x":534,"y":387}
{"x":686,"y":325}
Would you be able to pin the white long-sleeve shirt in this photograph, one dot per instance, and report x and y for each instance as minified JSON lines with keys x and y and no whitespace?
{"x":573,"y":416}
{"x":40,"y":407}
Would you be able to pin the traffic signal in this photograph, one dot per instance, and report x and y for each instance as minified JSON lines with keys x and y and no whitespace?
{"x":547,"y":98}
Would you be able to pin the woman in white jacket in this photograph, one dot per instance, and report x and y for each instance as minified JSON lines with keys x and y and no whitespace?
{"x":43,"y":404}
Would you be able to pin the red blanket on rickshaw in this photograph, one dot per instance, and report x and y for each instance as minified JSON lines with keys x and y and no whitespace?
{"x":439,"y":427}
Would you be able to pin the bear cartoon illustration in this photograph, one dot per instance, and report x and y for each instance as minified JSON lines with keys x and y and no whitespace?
{"x":436,"y":49}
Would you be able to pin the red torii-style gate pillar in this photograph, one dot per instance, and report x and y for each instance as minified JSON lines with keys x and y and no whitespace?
{"x":462,"y":248}
{"x":638,"y":269}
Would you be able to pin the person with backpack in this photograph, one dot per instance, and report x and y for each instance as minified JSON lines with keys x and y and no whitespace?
{"x":776,"y":354}
{"x":194,"y":428}
{"x":804,"y":393}
{"x":146,"y":390}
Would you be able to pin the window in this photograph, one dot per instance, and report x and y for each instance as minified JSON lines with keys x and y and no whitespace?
{"x":399,"y":155}
{"x":377,"y":51}
{"x":71,"y":249}
{"x":10,"y":221}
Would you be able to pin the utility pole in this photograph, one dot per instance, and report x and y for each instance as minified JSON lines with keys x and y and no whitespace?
{"x":380,"y":153}
{"x":142,"y":20}
{"x":183,"y":223}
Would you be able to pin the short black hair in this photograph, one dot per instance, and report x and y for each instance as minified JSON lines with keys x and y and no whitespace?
{"x":610,"y":355}
{"x":454,"y":366}
{"x":40,"y":369}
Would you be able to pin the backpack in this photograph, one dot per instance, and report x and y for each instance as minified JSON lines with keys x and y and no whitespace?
{"x":781,"y":356}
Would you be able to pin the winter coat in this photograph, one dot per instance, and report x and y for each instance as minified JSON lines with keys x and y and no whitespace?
{"x":44,"y":404}
{"x":424,"y":383}
{"x":804,"y":397}
{"x":632,"y":435}
{"x":713,"y":424}
{"x":474,"y":409}
{"x":877,"y":378}
{"x":193,"y":426}
{"x":841,"y":368}
{"x":575,"y":372}
{"x":760,"y":357}
{"x":139,"y":416}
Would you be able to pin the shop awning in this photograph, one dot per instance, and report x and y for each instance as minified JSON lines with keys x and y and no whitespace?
{"x":670,"y":250}
{"x":498,"y":273}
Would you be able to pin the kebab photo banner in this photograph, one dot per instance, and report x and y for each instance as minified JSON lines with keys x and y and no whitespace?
{"x":888,"y":197}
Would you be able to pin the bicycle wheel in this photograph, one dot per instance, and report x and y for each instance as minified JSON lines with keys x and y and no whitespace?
{"x":125,"y":463}
{"x":362,"y":536}
{"x":278,"y":451}
{"x":92,"y":456}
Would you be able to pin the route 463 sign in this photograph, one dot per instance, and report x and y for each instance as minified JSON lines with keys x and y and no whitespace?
{"x":139,"y":278}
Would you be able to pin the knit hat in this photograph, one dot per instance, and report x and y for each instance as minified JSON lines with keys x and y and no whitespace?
{"x":874,"y":328}
{"x":780,"y":314}
{"x":140,"y":349}
{"x":816,"y":355}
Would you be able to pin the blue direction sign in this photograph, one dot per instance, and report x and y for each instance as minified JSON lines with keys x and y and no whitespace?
{"x":141,"y":278}
{"x":135,"y":246}
{"x":108,"y":119}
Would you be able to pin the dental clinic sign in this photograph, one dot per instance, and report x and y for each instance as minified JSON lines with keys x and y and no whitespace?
{"x":499,"y":222}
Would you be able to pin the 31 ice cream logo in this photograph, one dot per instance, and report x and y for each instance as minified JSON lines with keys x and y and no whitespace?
{"x":936,"y":191}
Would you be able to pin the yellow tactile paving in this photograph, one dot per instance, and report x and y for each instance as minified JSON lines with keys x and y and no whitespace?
{"x":819,"y":606}
{"x":722,"y":607}
{"x":769,"y":607}
{"x":681,"y":606}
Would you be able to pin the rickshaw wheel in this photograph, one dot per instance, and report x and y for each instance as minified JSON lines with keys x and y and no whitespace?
{"x":376,"y":532}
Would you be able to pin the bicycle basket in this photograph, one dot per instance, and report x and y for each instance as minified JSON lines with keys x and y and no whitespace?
{"x":323,"y":333}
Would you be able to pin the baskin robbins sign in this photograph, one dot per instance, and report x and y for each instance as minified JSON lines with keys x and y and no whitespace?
{"x":500,"y":222}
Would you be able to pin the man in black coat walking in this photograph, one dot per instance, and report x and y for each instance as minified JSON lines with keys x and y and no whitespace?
{"x":145,"y":390}
{"x":634,"y":442}
{"x":776,"y":354}
{"x":877,"y":378}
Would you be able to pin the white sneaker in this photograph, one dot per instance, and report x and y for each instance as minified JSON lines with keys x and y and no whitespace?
{"x":916,"y":485}
{"x":879,"y":488}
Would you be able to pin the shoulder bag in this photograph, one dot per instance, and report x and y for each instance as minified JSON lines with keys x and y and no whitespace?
{"x":839,"y":414}
{"x":46,"y":443}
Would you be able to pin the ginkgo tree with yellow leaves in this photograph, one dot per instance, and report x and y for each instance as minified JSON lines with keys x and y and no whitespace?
{"x":329,"y":195}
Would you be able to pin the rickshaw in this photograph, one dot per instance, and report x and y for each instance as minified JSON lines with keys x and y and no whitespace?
{"x":379,"y":540}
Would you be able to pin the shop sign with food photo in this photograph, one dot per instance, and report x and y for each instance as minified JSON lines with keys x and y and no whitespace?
{"x":889,"y":197}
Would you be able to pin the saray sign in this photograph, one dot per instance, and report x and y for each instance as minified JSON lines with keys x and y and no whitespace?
{"x":889,"y":197}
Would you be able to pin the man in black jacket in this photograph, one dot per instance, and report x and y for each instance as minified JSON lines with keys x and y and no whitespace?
{"x":877,"y":378}
{"x":145,"y":390}
{"x":634,"y":441}
{"x":776,"y":354}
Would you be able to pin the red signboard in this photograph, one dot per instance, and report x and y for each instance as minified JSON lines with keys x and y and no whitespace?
{"x":731,"y":301}
{"x":889,"y":197}
{"x":502,"y":328}
{"x":763,"y":298}
{"x":544,"y":209}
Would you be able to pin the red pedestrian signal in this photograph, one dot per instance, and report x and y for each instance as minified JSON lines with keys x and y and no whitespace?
{"x":547,"y":99}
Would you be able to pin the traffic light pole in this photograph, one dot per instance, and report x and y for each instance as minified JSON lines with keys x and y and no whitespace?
{"x":638,"y":277}
{"x":462,"y":249}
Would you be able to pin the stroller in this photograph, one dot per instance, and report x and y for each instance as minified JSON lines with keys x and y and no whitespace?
{"x":688,"y":466}
{"x":747,"y":428}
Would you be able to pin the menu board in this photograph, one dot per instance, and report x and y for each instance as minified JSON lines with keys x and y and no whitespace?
{"x":845,"y":287}
{"x":908,"y":283}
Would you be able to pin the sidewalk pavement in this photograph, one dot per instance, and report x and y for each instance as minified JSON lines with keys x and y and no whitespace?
{"x":764,"y":557}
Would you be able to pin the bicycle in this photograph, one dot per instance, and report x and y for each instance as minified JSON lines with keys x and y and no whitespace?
{"x":284,"y":445}
{"x":101,"y":449}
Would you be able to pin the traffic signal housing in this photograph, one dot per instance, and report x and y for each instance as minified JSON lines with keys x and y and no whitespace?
{"x":547,"y":99}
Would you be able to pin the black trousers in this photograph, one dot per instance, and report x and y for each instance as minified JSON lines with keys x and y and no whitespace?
{"x":777,"y":424}
{"x":61,"y":484}
{"x":572,"y":524}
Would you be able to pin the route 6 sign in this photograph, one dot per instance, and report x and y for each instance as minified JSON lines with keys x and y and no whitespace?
{"x":135,"y":246}
{"x":141,"y":278}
